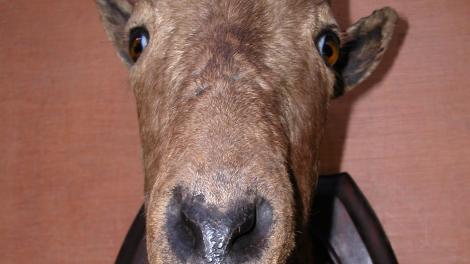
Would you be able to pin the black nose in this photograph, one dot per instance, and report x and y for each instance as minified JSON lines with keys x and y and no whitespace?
{"x":199,"y":232}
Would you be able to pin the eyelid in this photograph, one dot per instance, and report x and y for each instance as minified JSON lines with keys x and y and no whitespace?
{"x":332,"y":29}
{"x":136,"y":30}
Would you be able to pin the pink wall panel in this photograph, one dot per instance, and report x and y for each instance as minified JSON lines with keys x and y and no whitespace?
{"x":70,"y":172}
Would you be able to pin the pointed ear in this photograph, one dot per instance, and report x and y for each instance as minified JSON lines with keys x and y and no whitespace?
{"x":364,"y":43}
{"x":114,"y":15}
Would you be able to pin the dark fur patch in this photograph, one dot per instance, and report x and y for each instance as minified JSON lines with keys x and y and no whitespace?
{"x":339,"y":87}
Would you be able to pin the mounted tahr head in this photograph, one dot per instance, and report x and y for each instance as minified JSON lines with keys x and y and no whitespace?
{"x":232,"y":98}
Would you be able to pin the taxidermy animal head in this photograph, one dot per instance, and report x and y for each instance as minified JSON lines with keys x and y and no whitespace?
{"x":232,"y":97}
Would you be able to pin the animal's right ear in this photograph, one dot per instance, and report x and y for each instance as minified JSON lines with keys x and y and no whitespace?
{"x":364,"y":44}
{"x":114,"y":15}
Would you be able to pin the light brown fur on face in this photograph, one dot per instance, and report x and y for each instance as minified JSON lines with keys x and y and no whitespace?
{"x":232,"y":98}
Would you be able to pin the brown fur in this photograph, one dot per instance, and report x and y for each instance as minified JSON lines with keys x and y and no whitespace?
{"x":232,"y":98}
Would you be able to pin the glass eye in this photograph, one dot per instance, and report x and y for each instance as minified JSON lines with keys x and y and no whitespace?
{"x":328,"y":46}
{"x":138,"y":40}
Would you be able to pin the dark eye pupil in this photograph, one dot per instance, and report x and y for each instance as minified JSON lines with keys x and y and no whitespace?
{"x":327,"y":50}
{"x":138,"y":45}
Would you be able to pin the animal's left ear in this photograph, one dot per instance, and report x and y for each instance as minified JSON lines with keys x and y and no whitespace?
{"x":364,"y":43}
{"x":114,"y":15}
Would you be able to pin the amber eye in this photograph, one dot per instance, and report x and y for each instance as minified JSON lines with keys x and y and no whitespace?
{"x":138,"y":40}
{"x":328,"y":45}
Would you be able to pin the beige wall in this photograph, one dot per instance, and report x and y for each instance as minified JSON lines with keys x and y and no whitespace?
{"x":70,"y":173}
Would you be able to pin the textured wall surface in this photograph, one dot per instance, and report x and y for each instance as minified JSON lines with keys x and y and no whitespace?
{"x":70,"y":169}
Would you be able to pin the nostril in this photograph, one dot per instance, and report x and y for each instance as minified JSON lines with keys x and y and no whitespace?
{"x":192,"y":230}
{"x":253,"y":233}
{"x":245,"y":226}
{"x":184,"y":235}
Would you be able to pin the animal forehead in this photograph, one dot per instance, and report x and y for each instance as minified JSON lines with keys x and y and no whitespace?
{"x":184,"y":4}
{"x":189,"y":10}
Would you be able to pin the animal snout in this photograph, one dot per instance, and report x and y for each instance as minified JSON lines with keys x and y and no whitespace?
{"x":205,"y":233}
